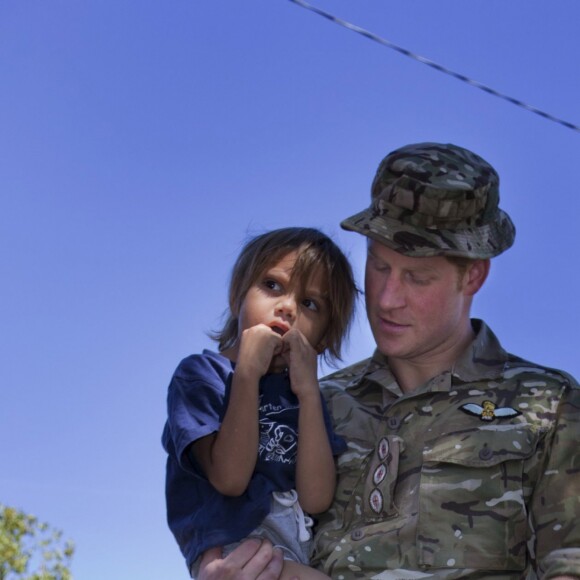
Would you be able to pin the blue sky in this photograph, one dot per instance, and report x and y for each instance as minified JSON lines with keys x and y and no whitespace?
{"x":142,"y":142}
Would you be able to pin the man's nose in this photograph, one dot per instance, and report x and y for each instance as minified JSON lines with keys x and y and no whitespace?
{"x":392,"y":293}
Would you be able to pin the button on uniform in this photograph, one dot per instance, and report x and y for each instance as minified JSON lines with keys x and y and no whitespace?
{"x":485,"y":453}
{"x":393,"y":423}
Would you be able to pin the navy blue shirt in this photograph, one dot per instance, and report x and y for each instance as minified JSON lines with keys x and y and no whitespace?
{"x":198,"y":515}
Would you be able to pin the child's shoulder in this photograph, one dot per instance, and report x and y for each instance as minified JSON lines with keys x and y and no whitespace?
{"x":206,"y":363}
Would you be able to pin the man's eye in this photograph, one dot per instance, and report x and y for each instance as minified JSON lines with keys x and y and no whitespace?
{"x":380,"y":267}
{"x":310,"y":304}
{"x":420,"y":281}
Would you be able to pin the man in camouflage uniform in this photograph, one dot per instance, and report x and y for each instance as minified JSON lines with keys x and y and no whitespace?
{"x":463,"y":460}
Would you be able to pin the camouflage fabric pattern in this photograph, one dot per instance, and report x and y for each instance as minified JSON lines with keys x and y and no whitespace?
{"x":437,"y":484}
{"x":431,"y":199}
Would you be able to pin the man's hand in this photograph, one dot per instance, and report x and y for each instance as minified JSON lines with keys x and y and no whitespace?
{"x":252,"y":560}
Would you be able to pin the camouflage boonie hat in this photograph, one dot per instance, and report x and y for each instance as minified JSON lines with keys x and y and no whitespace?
{"x":432,"y":199}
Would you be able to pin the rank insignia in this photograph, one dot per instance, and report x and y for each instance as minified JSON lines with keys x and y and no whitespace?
{"x":488,"y":411}
{"x":376,"y":501}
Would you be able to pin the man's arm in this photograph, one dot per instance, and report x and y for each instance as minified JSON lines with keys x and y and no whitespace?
{"x":555,"y":505}
{"x":251,"y":560}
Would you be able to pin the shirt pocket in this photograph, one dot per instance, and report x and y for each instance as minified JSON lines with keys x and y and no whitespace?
{"x":473,"y":510}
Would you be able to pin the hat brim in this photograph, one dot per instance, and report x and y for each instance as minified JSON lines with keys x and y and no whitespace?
{"x":481,"y":242}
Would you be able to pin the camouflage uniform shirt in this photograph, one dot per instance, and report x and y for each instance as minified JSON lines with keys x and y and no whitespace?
{"x":476,"y":474}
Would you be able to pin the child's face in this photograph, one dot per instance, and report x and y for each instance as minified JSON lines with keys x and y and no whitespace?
{"x":273,"y":302}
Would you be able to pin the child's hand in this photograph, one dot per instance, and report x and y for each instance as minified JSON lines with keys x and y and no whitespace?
{"x":302,"y":361}
{"x":259,"y":347}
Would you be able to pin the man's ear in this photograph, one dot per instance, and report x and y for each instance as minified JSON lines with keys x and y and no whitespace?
{"x":475,"y":276}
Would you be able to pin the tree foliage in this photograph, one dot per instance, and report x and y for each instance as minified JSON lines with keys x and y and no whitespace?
{"x":32,"y":550}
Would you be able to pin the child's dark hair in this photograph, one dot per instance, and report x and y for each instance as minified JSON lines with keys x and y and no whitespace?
{"x":316,"y":252}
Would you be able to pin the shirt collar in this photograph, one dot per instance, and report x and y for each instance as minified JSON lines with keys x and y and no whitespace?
{"x":376,"y":370}
{"x":483,"y":359}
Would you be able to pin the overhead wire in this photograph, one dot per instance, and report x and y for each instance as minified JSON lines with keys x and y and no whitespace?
{"x":433,"y":64}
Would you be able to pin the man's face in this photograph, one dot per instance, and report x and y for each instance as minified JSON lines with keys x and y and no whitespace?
{"x":416,"y":307}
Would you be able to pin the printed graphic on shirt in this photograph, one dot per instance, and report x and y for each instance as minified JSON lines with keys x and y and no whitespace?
{"x":278,"y":442}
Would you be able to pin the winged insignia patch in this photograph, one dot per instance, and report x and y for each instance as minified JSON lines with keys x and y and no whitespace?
{"x":488,"y":411}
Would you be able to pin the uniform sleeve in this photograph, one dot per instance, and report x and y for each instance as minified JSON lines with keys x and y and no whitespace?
{"x":195,"y":404}
{"x":555,"y":506}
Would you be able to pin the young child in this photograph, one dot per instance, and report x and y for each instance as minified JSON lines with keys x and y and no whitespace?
{"x":248,"y":436}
